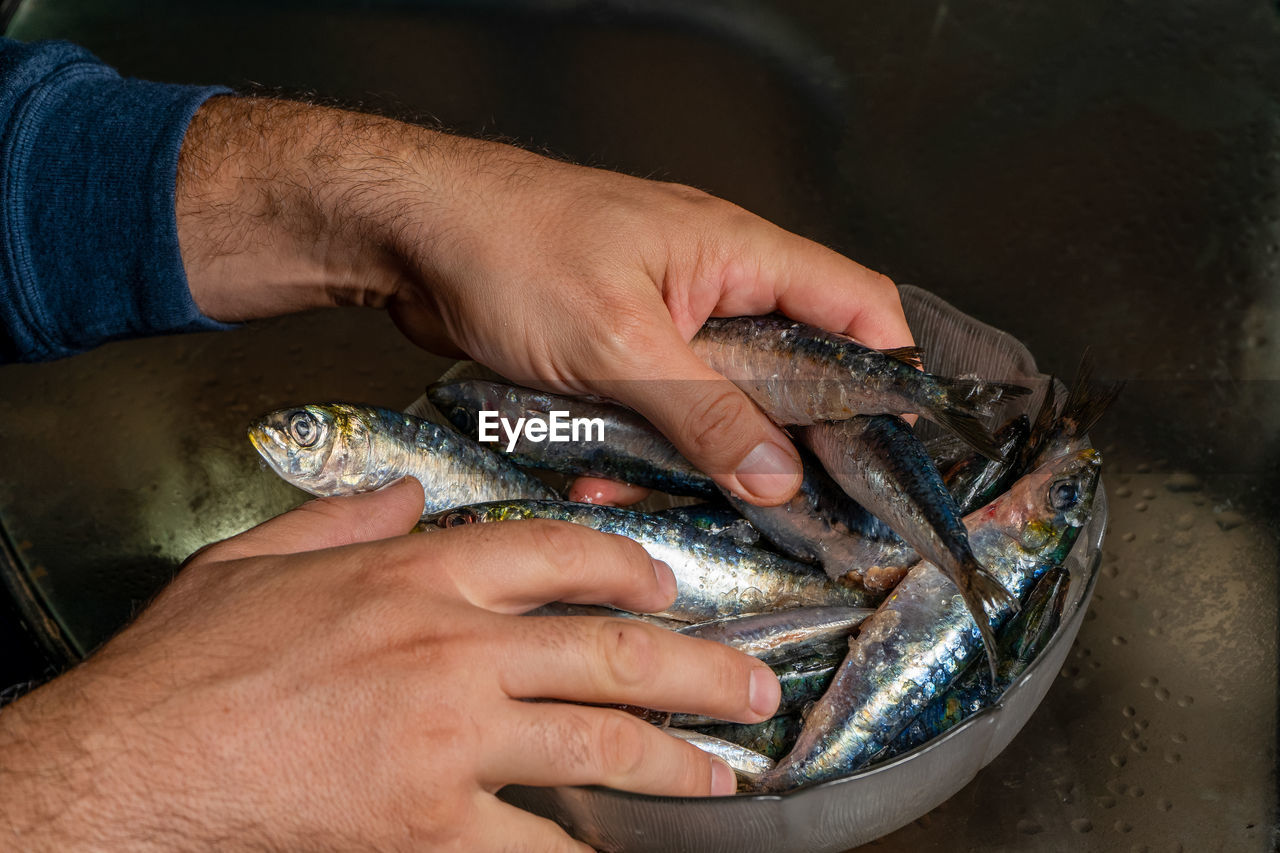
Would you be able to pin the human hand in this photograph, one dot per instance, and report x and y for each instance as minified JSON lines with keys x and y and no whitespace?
{"x":313,"y":684}
{"x":570,"y":279}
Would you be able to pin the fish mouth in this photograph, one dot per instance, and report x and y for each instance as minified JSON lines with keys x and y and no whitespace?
{"x":270,"y":446}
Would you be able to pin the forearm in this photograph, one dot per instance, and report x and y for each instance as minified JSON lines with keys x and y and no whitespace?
{"x":285,"y":206}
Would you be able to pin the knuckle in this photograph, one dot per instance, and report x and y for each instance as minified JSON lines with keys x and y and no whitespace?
{"x":710,"y":423}
{"x":620,"y":744}
{"x":562,"y":544}
{"x":628,"y":651}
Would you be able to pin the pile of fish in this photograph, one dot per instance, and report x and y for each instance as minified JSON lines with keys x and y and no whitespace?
{"x":874,"y":594}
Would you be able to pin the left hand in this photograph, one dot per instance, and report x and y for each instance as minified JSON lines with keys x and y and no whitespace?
{"x":571,"y":279}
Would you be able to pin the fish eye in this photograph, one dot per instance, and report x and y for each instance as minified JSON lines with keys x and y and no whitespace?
{"x":463,"y":420}
{"x":303,"y":429}
{"x":1063,"y":494}
{"x":458,"y":518}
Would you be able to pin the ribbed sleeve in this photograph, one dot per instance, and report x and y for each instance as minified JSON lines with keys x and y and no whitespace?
{"x":88,"y":239}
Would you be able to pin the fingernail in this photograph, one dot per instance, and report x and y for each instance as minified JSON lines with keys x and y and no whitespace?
{"x":769,"y":472}
{"x":723,"y":781}
{"x":666,"y":580}
{"x":765,"y":692}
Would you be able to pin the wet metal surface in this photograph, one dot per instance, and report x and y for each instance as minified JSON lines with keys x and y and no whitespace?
{"x":1099,"y":174}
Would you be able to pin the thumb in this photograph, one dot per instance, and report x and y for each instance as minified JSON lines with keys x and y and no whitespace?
{"x":329,"y":523}
{"x":712,"y":422}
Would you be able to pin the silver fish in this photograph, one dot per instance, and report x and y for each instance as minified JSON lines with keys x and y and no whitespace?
{"x":341,"y":449}
{"x":715,"y":576}
{"x":627,"y":448}
{"x":748,"y":764}
{"x":880,"y":463}
{"x":800,"y":374}
{"x":777,"y":637}
{"x":923,"y":635}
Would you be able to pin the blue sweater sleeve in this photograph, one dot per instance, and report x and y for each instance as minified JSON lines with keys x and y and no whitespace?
{"x":88,"y":237}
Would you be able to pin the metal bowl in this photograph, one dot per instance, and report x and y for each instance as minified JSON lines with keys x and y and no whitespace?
{"x":846,"y":812}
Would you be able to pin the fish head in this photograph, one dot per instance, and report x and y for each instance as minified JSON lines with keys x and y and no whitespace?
{"x":1045,"y":509}
{"x":323,"y":449}
{"x":459,"y":402}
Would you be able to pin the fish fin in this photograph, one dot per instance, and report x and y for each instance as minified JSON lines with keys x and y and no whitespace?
{"x":1047,"y":414}
{"x":913,"y":356}
{"x":1087,"y":400}
{"x":968,"y":428}
{"x":984,"y":593}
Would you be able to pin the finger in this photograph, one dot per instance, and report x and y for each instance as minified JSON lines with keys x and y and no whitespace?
{"x":550,"y":743}
{"x":531,"y":563}
{"x":621,"y":661}
{"x":781,"y":271}
{"x":331,"y":522}
{"x":594,"y":490}
{"x":500,"y":826}
{"x":708,"y":418}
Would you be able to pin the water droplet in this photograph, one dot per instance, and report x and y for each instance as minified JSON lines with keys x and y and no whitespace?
{"x":1129,"y":711}
{"x":1107,"y":802}
{"x":1129,"y":537}
{"x":1117,"y":787}
{"x":1185,"y":702}
{"x":1186,"y":521}
{"x":1149,"y":494}
{"x":1118,"y":640}
{"x":1124,"y":492}
{"x":1140,"y":506}
{"x":1130,"y":733}
{"x":1080,"y":684}
{"x":1119,"y":760}
{"x":1129,"y":594}
{"x":1149,"y":682}
{"x":1172,"y":757}
{"x":1178,"y":737}
{"x":1029,"y":827}
{"x":1164,"y":805}
{"x":1082,"y":825}
{"x":1122,"y":826}
{"x":1138,"y":746}
{"x":1143,"y":468}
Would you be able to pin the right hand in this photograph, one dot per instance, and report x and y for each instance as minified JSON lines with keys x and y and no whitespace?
{"x":312,"y":684}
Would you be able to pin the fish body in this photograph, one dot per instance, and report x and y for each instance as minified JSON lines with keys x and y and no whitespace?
{"x":1021,"y":641}
{"x":334,"y":449}
{"x":800,"y":374}
{"x":715,"y":576}
{"x":622,"y":445}
{"x":881,"y":464}
{"x":772,"y":738}
{"x":779,"y":636}
{"x":821,"y":524}
{"x":720,"y":519}
{"x":746,"y":763}
{"x":976,"y":480}
{"x":803,"y":681}
{"x":923,"y":636}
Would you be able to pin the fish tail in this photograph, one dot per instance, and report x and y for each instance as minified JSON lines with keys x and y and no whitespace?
{"x":984,"y":594}
{"x":1087,"y":400}
{"x":967,"y":426}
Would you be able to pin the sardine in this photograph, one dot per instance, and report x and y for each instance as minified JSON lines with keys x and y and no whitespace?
{"x":715,"y":576}
{"x":772,"y":738}
{"x":803,"y":681}
{"x":976,"y":480}
{"x":625,"y":447}
{"x":718,"y":518}
{"x":746,"y":763}
{"x":823,"y":524}
{"x":800,"y":374}
{"x":881,"y":464}
{"x":1021,"y":641}
{"x":341,"y":449}
{"x":923,"y":636}
{"x":780,"y":636}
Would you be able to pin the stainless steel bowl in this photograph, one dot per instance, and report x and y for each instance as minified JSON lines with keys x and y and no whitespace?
{"x":847,"y":812}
